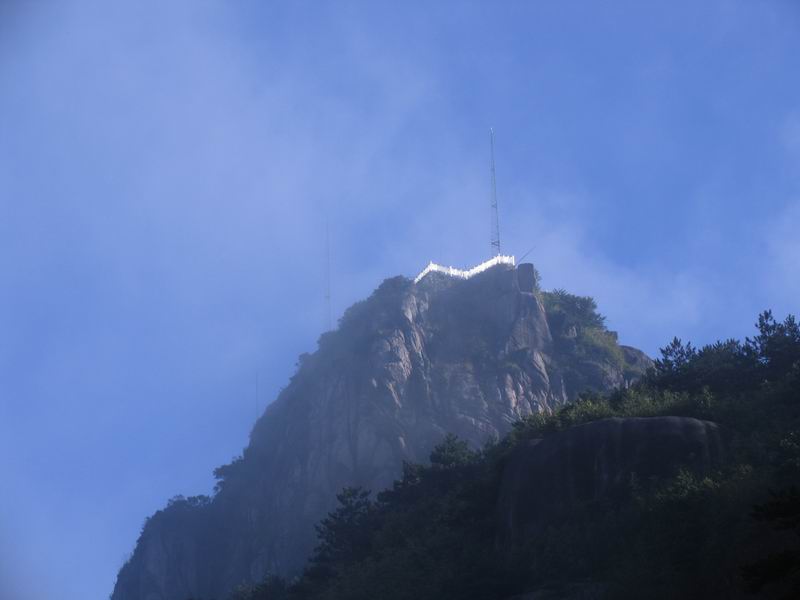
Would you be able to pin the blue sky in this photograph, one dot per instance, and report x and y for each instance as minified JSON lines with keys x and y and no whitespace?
{"x":166,"y":170}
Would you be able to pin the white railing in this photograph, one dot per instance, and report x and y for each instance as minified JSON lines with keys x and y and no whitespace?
{"x":461,"y":274}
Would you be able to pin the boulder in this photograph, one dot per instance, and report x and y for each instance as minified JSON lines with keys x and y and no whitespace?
{"x":598,"y":462}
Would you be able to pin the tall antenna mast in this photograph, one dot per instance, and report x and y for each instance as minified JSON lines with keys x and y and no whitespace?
{"x":328,"y":275}
{"x":495,"y":214}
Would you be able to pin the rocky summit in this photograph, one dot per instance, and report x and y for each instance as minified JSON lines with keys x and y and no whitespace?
{"x":413,"y":362}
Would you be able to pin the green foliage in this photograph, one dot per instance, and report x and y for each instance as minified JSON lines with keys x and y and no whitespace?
{"x":780,"y":568}
{"x":225,"y":472}
{"x":777,"y":345}
{"x":585,"y":350}
{"x":732,"y":366}
{"x":452,"y":452}
{"x":341,"y":533}
{"x":565,"y":310}
{"x":272,"y":588}
{"x":433,"y":535}
{"x":426,"y":537}
{"x":190,"y":502}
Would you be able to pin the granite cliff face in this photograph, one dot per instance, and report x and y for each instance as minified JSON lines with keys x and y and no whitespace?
{"x":405,"y":367}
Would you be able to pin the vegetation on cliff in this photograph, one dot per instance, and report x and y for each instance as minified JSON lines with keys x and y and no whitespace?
{"x":729,"y":533}
{"x":584,"y":347}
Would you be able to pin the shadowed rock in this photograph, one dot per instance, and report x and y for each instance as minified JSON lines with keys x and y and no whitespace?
{"x":546,"y":478}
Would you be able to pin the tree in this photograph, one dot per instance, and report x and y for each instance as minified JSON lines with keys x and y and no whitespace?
{"x":342,"y":534}
{"x":777,"y":344}
{"x":272,"y":588}
{"x":452,"y":452}
{"x":780,"y":568}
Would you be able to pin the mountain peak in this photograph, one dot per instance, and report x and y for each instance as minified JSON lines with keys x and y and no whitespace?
{"x":467,"y":355}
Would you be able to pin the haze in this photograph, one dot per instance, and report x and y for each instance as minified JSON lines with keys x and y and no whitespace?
{"x":166,"y":171}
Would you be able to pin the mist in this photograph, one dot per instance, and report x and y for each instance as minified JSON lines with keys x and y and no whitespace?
{"x":167,"y":170}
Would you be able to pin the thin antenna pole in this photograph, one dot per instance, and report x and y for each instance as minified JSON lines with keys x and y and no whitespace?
{"x":526,"y":254}
{"x":328,"y":275}
{"x":495,"y":213}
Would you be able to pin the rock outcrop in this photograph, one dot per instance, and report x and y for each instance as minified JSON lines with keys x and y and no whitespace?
{"x":405,"y":367}
{"x":598,"y":462}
